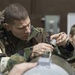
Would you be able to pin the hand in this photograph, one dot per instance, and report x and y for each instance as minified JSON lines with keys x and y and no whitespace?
{"x":41,"y":48}
{"x":19,"y":69}
{"x":61,"y":38}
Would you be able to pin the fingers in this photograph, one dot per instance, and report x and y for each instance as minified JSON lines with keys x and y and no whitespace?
{"x":31,"y":65}
{"x":48,"y":47}
{"x":55,"y":36}
{"x":61,"y":38}
{"x":41,"y":48}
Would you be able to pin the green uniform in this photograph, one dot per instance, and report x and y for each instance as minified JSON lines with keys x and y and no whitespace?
{"x":20,"y":51}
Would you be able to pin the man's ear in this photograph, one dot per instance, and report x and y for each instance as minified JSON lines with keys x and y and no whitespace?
{"x":7,"y":26}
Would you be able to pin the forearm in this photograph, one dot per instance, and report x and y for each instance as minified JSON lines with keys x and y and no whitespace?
{"x":17,"y":58}
{"x":66,"y":51}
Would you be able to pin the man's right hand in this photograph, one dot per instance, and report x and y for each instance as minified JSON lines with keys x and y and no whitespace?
{"x":41,"y":48}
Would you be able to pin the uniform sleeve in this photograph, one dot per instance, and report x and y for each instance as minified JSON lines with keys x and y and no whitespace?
{"x":3,"y":58}
{"x":66,"y":52}
{"x":43,"y":36}
{"x":19,"y":57}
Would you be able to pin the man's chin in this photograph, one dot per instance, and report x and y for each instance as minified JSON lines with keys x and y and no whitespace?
{"x":24,"y":38}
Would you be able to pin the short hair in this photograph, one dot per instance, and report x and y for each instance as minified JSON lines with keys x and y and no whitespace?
{"x":72,"y":31}
{"x":14,"y":12}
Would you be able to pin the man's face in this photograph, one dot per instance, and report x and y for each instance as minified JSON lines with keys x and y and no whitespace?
{"x":21,"y":29}
{"x":72,"y":39}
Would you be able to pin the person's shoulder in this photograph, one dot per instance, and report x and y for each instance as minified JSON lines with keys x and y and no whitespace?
{"x":39,"y":29}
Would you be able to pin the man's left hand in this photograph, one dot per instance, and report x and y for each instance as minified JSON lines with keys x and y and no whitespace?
{"x":61,"y":38}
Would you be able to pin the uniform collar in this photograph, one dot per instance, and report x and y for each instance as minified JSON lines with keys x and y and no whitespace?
{"x":34,"y":32}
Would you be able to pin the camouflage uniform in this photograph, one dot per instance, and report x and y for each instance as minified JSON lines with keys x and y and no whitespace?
{"x":20,"y":51}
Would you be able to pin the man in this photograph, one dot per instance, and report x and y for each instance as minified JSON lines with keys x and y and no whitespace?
{"x":71,"y":60}
{"x":21,"y":42}
{"x":72,"y":35}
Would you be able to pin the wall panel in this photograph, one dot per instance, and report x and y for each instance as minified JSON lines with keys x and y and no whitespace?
{"x":37,"y":9}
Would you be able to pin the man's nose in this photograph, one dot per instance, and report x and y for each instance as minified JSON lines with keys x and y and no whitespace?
{"x":27,"y":30}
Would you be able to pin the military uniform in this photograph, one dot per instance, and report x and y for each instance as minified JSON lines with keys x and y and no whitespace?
{"x":19,"y":51}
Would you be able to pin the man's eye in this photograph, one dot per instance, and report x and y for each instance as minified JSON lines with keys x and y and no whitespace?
{"x":20,"y":28}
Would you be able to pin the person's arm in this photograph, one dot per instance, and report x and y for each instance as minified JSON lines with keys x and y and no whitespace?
{"x":7,"y":63}
{"x":19,"y":69}
{"x":67,"y":51}
{"x":19,"y":57}
{"x":64,"y":46}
